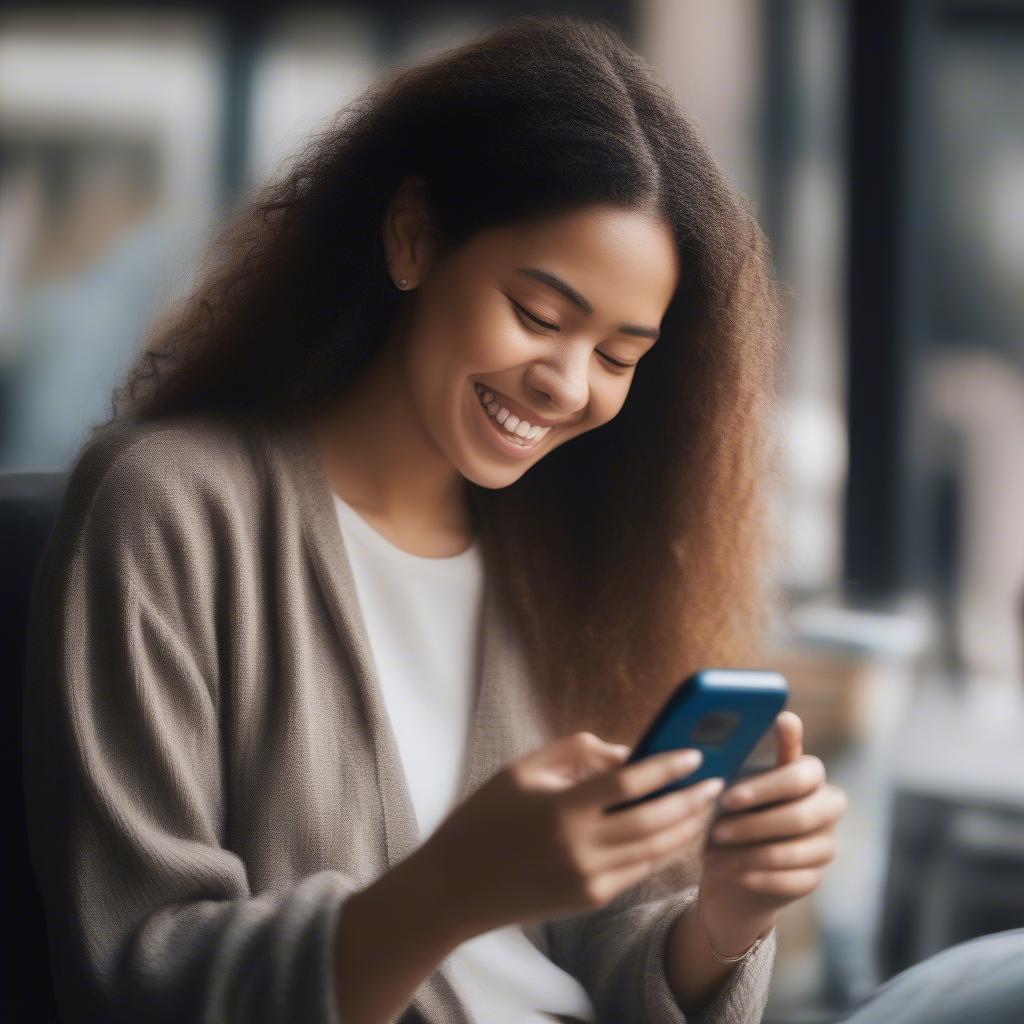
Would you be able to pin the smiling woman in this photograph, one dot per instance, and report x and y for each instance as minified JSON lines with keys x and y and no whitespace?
{"x":542,"y":277}
{"x":503,"y":329}
{"x":524,"y":335}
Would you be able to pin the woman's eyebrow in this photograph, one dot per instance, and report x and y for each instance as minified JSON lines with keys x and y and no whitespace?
{"x":566,"y":289}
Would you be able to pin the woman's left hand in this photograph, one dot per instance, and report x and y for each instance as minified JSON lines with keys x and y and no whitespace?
{"x":771,"y":845}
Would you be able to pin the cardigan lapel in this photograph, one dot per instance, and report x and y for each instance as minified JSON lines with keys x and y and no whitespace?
{"x":326,"y":549}
{"x":505,"y":723}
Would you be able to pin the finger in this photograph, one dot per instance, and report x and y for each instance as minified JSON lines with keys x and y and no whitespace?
{"x":618,"y":880}
{"x":652,"y":816}
{"x":788,"y":782}
{"x":620,"y":783}
{"x":600,"y":757}
{"x":813,"y":850}
{"x":785,"y":885}
{"x":789,"y":734}
{"x":796,"y":818}
{"x":576,"y":756}
{"x":656,"y":847}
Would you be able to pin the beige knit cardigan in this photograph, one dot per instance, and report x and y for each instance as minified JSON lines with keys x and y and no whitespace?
{"x":210,"y":769}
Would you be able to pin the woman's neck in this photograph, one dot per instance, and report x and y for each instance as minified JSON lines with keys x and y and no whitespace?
{"x":378,"y":458}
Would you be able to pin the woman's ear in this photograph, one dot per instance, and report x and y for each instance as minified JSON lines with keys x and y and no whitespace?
{"x":409,"y":233}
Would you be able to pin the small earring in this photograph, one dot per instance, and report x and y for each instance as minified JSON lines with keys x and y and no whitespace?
{"x":402,"y":283}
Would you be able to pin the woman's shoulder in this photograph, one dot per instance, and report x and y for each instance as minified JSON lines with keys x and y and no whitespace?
{"x":177,"y":455}
{"x":187,"y":478}
{"x":182,"y":441}
{"x":151,"y":506}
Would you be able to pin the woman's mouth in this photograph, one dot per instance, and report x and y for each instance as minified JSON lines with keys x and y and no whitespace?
{"x":511,"y":429}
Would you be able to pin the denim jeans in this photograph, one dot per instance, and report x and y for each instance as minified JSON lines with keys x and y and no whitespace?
{"x":976,"y":982}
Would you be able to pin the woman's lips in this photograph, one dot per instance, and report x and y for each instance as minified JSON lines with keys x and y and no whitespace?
{"x":531,"y":417}
{"x":506,"y":442}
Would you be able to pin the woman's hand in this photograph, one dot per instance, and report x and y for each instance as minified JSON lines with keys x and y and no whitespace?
{"x":534,"y":841}
{"x":771,"y":845}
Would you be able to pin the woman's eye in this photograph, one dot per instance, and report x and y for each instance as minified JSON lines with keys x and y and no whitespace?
{"x":615,"y":362}
{"x":523,"y":312}
{"x":525,"y":315}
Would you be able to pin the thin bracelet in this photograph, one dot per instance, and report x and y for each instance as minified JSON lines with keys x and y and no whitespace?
{"x":714,"y":952}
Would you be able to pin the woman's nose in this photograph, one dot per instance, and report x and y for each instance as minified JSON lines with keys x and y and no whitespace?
{"x":563,"y":387}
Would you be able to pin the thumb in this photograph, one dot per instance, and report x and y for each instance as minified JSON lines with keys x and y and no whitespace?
{"x":591,"y":754}
{"x":789,"y":736}
{"x":596,"y":758}
{"x":579,"y":754}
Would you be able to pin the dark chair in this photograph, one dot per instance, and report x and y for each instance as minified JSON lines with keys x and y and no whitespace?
{"x":29,"y":503}
{"x":956,"y":872}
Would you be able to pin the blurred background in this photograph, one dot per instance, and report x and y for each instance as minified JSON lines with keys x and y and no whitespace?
{"x":883,"y":145}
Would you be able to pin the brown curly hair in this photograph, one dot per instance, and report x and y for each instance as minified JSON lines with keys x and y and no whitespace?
{"x":654,"y":553}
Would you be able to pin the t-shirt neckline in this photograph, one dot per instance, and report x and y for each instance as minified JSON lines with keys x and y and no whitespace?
{"x":376,"y":540}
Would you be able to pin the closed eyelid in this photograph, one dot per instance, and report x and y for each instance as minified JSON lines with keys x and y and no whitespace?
{"x":564,"y":288}
{"x":533,"y":316}
{"x":540,"y":321}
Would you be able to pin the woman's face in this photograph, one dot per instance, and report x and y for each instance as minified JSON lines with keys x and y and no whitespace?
{"x":492,"y":330}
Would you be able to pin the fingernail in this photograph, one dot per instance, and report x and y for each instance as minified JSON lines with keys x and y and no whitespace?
{"x":712,"y":787}
{"x":687,"y":760}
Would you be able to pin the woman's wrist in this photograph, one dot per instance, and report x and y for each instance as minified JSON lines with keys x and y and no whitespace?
{"x":730,"y":934}
{"x":693,"y":971}
{"x":737,"y":943}
{"x":390,"y":937}
{"x":422,"y":878}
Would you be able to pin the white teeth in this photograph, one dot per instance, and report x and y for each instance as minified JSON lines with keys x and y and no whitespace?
{"x":509,"y":422}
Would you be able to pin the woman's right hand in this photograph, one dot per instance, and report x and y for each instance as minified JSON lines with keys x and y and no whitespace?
{"x":534,"y":842}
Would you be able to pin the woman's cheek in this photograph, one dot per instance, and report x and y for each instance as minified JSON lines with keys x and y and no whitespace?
{"x":606,"y":401}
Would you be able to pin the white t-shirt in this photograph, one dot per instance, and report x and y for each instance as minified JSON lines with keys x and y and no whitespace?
{"x":423,"y":617}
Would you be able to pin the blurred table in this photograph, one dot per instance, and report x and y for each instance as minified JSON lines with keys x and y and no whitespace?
{"x":964,"y":740}
{"x":956,"y":863}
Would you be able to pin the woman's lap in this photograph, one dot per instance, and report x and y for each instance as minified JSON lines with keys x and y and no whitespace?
{"x":976,"y":982}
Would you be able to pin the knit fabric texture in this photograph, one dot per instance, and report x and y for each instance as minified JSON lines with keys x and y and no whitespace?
{"x":209,"y":767}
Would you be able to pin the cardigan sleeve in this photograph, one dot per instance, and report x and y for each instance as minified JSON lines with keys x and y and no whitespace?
{"x":617,"y":952}
{"x":149,"y":916}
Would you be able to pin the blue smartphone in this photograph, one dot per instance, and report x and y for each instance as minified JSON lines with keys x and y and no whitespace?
{"x":723,"y":712}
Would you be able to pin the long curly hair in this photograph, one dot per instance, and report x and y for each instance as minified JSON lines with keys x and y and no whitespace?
{"x":632,"y":554}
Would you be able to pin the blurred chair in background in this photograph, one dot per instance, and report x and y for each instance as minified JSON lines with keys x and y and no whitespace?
{"x":29,"y":503}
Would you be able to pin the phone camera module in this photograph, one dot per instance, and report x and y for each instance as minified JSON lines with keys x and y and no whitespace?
{"x":714,"y":728}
